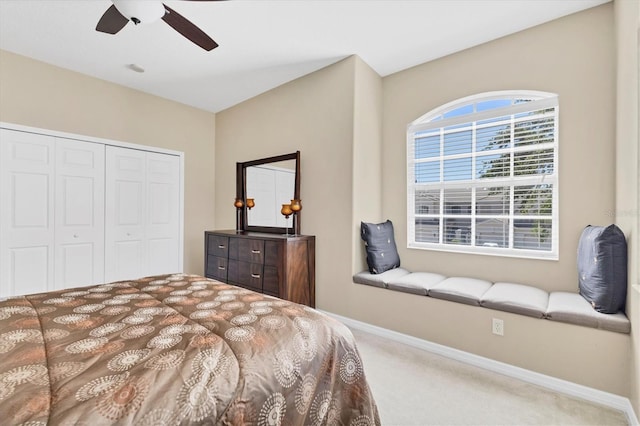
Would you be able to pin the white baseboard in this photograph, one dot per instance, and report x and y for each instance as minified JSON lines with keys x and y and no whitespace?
{"x":563,"y":386}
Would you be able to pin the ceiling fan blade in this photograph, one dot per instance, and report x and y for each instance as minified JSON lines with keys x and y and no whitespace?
{"x":112,"y":21}
{"x":188,"y":29}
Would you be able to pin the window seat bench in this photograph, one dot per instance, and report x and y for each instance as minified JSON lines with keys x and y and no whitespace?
{"x":520,"y":299}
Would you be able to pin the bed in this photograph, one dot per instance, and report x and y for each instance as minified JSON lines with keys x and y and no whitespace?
{"x":176,"y":349}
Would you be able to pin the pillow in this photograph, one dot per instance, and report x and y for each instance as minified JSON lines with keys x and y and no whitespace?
{"x":382,"y":253}
{"x":602,"y":268}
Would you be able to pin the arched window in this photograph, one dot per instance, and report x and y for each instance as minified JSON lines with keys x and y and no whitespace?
{"x":483,"y":176}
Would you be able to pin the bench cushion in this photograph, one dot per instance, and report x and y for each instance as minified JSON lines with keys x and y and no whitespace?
{"x":572,"y":308}
{"x":379,"y":280}
{"x":517,"y":298}
{"x":617,"y":322}
{"x":566,"y":307}
{"x":460,"y":289}
{"x":416,"y":283}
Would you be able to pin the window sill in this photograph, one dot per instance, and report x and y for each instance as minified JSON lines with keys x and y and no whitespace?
{"x":489,"y":252}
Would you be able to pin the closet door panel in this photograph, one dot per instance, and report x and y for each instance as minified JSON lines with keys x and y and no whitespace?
{"x":31,"y":200}
{"x":26,"y":212}
{"x":163,"y":213}
{"x":125,"y":212}
{"x":29,"y":270}
{"x":128,"y":261}
{"x":75,"y":264}
{"x":79,"y":213}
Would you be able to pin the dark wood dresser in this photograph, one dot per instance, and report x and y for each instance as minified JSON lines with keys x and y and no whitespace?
{"x":274,"y":264}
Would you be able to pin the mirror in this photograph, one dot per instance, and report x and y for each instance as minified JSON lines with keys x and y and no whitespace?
{"x":270,"y":183}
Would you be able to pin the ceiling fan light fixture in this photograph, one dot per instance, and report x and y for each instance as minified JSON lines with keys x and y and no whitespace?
{"x":118,"y":15}
{"x":140,"y":11}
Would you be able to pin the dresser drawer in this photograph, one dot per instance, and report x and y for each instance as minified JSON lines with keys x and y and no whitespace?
{"x":273,"y":252}
{"x":246,"y":274}
{"x":247,"y":250}
{"x":217,"y":245}
{"x":217,"y":267}
{"x":271,"y":280}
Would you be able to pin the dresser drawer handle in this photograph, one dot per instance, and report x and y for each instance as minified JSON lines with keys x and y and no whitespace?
{"x":221,"y":268}
{"x":221,"y":246}
{"x":255,"y":251}
{"x":255,"y":275}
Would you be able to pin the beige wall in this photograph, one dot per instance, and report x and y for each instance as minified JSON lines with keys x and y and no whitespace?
{"x":313,"y":114}
{"x":36,"y":94}
{"x":366,"y":196}
{"x":627,"y":19}
{"x":332,"y":117}
{"x":573,"y":57}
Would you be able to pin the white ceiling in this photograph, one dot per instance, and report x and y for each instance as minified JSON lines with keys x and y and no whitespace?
{"x":263,"y":44}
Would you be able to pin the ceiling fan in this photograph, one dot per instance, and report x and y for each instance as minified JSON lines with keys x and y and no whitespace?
{"x":148,"y":11}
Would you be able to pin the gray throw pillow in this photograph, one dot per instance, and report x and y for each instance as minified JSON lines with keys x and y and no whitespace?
{"x":380,"y":243}
{"x":602,"y":268}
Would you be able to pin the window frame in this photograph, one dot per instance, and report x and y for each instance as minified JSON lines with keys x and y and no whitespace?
{"x":435,"y":119}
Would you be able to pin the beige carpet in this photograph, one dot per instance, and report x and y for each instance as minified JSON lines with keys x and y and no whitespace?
{"x":415,"y":387}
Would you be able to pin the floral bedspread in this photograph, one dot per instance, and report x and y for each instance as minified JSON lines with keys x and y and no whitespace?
{"x":176,"y":349}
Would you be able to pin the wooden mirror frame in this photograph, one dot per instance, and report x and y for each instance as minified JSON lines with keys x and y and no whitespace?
{"x":242,"y":222}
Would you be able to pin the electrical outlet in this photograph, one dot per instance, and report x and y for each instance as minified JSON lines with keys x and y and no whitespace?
{"x":497,"y":327}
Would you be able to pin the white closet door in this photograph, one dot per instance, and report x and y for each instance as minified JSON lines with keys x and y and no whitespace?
{"x":142,"y":214}
{"x":125,"y":214}
{"x":26,"y":213}
{"x":79,"y":213}
{"x":76,"y":212}
{"x":163,"y":210}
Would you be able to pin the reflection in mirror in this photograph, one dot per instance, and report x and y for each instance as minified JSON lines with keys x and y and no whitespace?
{"x":270,"y":185}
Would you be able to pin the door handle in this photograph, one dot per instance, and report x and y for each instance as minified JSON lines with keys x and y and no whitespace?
{"x":255,"y":275}
{"x":255,"y":251}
